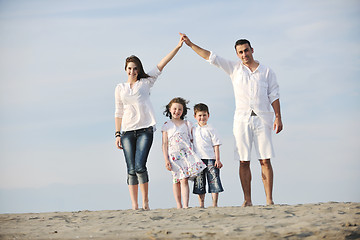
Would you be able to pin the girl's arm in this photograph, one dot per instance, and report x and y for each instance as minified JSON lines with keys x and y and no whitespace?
{"x":117,"y":129}
{"x":218,"y":164}
{"x":170,"y":56}
{"x":165,"y":146}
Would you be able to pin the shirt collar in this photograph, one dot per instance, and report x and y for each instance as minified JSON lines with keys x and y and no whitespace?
{"x":244,"y":66}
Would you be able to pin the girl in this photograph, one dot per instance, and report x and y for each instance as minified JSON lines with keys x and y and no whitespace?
{"x":179,"y":156}
{"x":135,"y":122}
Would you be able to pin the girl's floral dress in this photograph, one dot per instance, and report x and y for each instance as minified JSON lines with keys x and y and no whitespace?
{"x":184,"y":162}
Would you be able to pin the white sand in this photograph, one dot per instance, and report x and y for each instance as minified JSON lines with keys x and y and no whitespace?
{"x":305,"y":221}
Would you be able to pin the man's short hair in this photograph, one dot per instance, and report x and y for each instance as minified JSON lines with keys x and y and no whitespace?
{"x":242,"y":42}
{"x":201,"y":107}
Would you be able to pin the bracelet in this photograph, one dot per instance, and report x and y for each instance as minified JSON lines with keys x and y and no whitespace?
{"x":117,"y":134}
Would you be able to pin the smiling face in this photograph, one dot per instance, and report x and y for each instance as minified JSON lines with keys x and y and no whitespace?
{"x":132,"y":70}
{"x":176,"y":110}
{"x":202,"y":117}
{"x":244,"y":52}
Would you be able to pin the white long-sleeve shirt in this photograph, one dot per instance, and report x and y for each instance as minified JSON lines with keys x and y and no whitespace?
{"x":254,"y":91}
{"x":133,"y":105}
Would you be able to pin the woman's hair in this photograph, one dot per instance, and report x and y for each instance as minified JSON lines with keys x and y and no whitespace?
{"x":180,"y":101}
{"x":136,"y":60}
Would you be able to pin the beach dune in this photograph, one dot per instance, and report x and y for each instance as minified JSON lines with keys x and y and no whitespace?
{"x":330,"y":220}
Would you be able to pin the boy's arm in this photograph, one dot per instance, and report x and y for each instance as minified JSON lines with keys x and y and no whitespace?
{"x":218,"y":164}
{"x":165,"y":150}
{"x":200,"y":51}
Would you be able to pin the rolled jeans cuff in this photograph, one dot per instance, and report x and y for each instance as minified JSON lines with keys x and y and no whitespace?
{"x":138,"y":178}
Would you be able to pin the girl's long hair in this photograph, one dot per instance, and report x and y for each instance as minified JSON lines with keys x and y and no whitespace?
{"x":177,"y":100}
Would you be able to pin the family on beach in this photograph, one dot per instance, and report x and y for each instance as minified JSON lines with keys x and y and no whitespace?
{"x":192,"y":152}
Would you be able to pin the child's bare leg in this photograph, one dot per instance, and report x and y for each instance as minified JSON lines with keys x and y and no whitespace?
{"x":185,"y":192}
{"x":215,"y":197}
{"x":202,"y":200}
{"x":144,"y":192}
{"x":177,"y":194}
{"x":245,"y":178}
{"x":267,"y":177}
{"x":133,"y":190}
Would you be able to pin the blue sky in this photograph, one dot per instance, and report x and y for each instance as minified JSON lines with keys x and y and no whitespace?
{"x":61,"y":60}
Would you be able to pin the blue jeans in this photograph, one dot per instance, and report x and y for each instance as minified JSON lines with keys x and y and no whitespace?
{"x":136,"y":145}
{"x":212,"y":174}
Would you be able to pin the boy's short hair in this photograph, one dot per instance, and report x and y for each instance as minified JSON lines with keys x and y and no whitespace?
{"x":201,"y":107}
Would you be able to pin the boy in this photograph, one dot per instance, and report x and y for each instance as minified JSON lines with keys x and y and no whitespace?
{"x":206,"y":145}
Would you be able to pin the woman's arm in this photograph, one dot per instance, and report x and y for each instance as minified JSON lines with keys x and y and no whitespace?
{"x":118,"y":129}
{"x":165,"y":150}
{"x":170,"y":56}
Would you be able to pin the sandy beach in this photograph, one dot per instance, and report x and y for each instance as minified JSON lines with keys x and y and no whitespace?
{"x":304,"y":221}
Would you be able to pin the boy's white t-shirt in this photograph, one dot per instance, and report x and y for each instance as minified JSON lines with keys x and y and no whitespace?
{"x":204,"y":140}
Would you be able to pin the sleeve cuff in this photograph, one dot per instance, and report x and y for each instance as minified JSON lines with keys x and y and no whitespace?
{"x":211,"y":57}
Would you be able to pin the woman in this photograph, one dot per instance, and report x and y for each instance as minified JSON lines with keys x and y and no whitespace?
{"x":135,"y":122}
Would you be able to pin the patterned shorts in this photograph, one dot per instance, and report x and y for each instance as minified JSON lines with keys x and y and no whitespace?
{"x":212,"y":174}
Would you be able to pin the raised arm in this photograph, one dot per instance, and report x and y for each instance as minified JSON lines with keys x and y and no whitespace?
{"x":200,"y":51}
{"x":170,"y":56}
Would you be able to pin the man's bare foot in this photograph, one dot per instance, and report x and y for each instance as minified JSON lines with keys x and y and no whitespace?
{"x":269,"y":203}
{"x":246,"y":204}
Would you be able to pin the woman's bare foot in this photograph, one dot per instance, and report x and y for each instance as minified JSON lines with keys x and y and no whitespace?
{"x":146,"y":206}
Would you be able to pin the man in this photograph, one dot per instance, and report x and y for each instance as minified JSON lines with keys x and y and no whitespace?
{"x":256,"y":91}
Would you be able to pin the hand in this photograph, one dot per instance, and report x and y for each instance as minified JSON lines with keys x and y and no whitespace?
{"x":181,"y":41}
{"x":218,"y":164}
{"x":185,"y":39}
{"x":118,"y":143}
{"x":168,"y":165}
{"x":278,"y":126}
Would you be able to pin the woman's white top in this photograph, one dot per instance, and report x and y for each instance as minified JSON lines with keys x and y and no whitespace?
{"x":133,"y":104}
